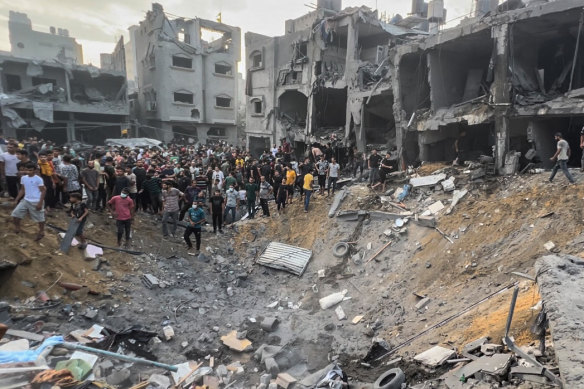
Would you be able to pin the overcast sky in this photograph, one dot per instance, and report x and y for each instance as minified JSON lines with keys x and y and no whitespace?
{"x":97,"y":24}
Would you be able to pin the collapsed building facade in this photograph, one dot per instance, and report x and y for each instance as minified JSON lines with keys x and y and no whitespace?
{"x":503,"y":81}
{"x":47,"y":93}
{"x":186,"y":78}
{"x":508,"y":79}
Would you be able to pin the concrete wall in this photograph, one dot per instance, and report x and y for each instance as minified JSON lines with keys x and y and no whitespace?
{"x":27,"y":43}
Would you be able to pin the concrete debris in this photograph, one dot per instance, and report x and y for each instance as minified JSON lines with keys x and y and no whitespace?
{"x":340,"y":313}
{"x":435,"y":208}
{"x":150,"y":281}
{"x":423,"y":303}
{"x":284,"y":380}
{"x":357,"y":319}
{"x":549,"y":246}
{"x":168,"y":332}
{"x":559,"y":279}
{"x":241,"y":345}
{"x":491,"y":349}
{"x":456,"y":197}
{"x":434,"y":357}
{"x":332,"y":299}
{"x":427,"y":180}
{"x":339,"y":197}
{"x":448,"y":185}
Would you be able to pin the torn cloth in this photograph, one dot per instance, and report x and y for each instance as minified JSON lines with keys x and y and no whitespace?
{"x":43,"y":111}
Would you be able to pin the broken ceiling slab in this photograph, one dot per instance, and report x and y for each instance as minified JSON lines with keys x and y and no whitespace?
{"x":436,"y":356}
{"x":434,"y":179}
{"x":497,"y":364}
{"x":285,"y":257}
{"x":379,"y":215}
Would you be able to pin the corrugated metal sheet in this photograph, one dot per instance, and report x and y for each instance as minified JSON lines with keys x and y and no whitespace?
{"x":285,"y":257}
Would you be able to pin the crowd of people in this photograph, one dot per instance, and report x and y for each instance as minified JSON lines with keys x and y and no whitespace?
{"x":176,"y":182}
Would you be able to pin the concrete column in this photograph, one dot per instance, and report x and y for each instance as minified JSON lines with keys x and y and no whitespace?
{"x":71,"y":127}
{"x":501,"y":93}
{"x":67,"y":87}
{"x":360,"y":131}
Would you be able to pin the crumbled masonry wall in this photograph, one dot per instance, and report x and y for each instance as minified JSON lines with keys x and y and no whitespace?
{"x":559,"y":278}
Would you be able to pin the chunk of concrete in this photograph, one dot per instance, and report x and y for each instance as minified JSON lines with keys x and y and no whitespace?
{"x":427,"y":180}
{"x":436,"y":207}
{"x":284,"y":380}
{"x":339,"y":197}
{"x":549,"y":246}
{"x":119,"y":378}
{"x":422,"y":303}
{"x":272,"y":367}
{"x":491,"y":348}
{"x":168,"y":332}
{"x":340,"y":313}
{"x":434,"y":357}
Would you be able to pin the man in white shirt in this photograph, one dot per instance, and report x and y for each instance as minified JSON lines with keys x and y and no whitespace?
{"x":333,"y":175}
{"x":218,"y":175}
{"x":9,"y":169}
{"x":562,"y":155}
{"x":32,"y":193}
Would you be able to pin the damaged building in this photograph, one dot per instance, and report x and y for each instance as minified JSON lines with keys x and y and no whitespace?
{"x":501,"y":83}
{"x":498,"y":85}
{"x":328,"y":79}
{"x":47,"y":93}
{"x":186,"y":78}
{"x":61,"y":102}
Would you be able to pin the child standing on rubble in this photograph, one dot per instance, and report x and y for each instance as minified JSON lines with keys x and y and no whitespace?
{"x":79,"y":211}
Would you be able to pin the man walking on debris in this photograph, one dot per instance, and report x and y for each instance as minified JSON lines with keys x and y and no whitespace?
{"x":265,"y":192}
{"x":89,"y":178}
{"x":79,"y":211}
{"x":32,"y":193}
{"x":322,"y":168}
{"x":561,"y":157}
{"x":333,"y":175}
{"x":217,"y":208}
{"x":251,"y":190}
{"x":308,"y":186}
{"x":171,"y":208}
{"x":195,"y":218}
{"x":373,"y":164}
{"x":122,"y":209}
{"x":230,"y":203}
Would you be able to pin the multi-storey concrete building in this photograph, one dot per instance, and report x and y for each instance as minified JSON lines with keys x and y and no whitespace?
{"x":186,"y":74}
{"x":327,"y":78}
{"x":28,"y":43}
{"x":61,"y":102}
{"x":501,"y":82}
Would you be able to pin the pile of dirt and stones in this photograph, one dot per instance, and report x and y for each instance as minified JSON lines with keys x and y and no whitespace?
{"x":415,"y":282}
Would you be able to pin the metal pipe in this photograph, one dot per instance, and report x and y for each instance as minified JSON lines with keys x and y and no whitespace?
{"x":73,"y":346}
{"x":511,"y":310}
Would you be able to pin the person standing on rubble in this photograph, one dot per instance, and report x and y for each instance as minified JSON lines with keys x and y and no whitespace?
{"x":195,"y":218}
{"x":308,"y":188}
{"x":122,"y":209}
{"x":561,"y":157}
{"x":373,"y":165}
{"x":170,"y":208}
{"x":332,"y":175}
{"x":32,"y":193}
{"x":265,"y":194}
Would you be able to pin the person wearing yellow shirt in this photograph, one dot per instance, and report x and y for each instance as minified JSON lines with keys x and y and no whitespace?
{"x":308,"y":183}
{"x":290,"y":181}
